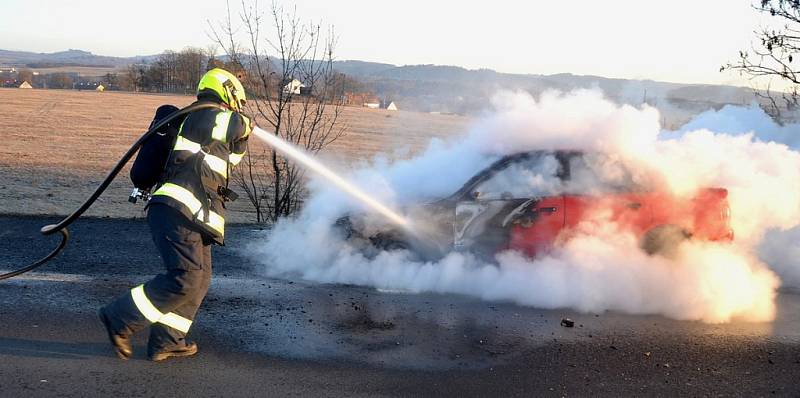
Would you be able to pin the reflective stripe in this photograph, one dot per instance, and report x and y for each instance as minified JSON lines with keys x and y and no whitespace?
{"x":153,"y":315}
{"x":176,"y":322}
{"x":215,"y":163}
{"x":216,"y":222}
{"x":180,"y":194}
{"x":183,"y":195}
{"x":221,"y":77}
{"x":220,"y":131}
{"x":144,"y":305}
{"x":235,"y":158}
{"x":184,"y":144}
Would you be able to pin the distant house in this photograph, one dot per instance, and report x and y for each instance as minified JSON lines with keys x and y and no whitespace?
{"x":293,"y":87}
{"x":372,"y":105}
{"x":388,"y":105}
{"x":100,"y":88}
{"x":25,"y":85}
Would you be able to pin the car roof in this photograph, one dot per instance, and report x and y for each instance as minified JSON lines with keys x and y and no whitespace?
{"x":505,"y":161}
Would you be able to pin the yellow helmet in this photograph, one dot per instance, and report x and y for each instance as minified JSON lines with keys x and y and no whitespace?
{"x":225,"y":85}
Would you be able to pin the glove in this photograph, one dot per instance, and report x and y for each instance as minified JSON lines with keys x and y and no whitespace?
{"x":249,"y":125}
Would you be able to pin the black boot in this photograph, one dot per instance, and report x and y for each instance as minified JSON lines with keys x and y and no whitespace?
{"x":185,"y":350}
{"x":121,"y":344}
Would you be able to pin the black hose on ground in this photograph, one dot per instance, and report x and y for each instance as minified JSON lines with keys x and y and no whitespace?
{"x":61,"y":226}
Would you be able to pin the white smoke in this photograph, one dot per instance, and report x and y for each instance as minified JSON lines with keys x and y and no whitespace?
{"x":601,"y":267}
{"x":780,"y":246}
{"x":737,"y":120}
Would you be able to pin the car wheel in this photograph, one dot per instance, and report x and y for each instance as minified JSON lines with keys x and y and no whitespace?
{"x":389,"y":243}
{"x":664,"y":240}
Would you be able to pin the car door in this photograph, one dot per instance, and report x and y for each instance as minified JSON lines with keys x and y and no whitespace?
{"x":482,"y":226}
{"x":535,"y":230}
{"x":630,"y":212}
{"x":487,"y":214}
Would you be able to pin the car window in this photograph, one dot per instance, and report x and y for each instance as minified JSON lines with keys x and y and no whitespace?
{"x":532,"y":177}
{"x":548,"y":175}
{"x":593,"y":173}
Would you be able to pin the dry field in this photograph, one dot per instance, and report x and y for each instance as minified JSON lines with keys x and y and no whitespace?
{"x":59,"y":144}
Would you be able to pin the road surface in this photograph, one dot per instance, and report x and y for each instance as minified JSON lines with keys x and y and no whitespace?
{"x":261,"y":336}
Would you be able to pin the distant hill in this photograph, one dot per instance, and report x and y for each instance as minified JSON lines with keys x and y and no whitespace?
{"x":459,"y":90}
{"x":65,"y":58}
{"x":438,"y":88}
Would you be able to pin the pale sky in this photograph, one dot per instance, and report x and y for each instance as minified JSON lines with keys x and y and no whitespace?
{"x":677,"y":40}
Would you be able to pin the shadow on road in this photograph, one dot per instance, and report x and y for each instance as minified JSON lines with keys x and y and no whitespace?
{"x":51,"y":349}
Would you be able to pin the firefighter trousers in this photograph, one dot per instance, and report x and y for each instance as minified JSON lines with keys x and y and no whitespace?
{"x":168,"y":302}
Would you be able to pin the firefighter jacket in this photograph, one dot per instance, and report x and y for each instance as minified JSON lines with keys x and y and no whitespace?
{"x":210,"y":143}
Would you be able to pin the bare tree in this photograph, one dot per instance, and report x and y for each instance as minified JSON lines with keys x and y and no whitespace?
{"x":191,"y":65}
{"x":111,"y":81}
{"x":774,"y":56}
{"x":60,"y":80}
{"x":25,"y":75}
{"x":307,"y":117}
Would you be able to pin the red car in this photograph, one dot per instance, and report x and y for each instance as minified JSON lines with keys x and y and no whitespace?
{"x":531,"y":201}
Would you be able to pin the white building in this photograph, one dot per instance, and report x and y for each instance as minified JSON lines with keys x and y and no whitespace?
{"x":293,"y":87}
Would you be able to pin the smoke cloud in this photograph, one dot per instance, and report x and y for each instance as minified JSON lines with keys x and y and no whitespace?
{"x":601,"y":267}
{"x":780,"y":246}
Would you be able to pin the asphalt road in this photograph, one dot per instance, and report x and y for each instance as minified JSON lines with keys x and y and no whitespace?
{"x":262,"y":336}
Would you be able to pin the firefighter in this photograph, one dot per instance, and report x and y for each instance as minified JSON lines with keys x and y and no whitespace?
{"x":186,"y":216}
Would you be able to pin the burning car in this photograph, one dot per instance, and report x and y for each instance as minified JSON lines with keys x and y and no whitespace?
{"x":530,"y":202}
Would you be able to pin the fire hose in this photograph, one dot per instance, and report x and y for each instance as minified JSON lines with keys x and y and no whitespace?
{"x":62,"y":225}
